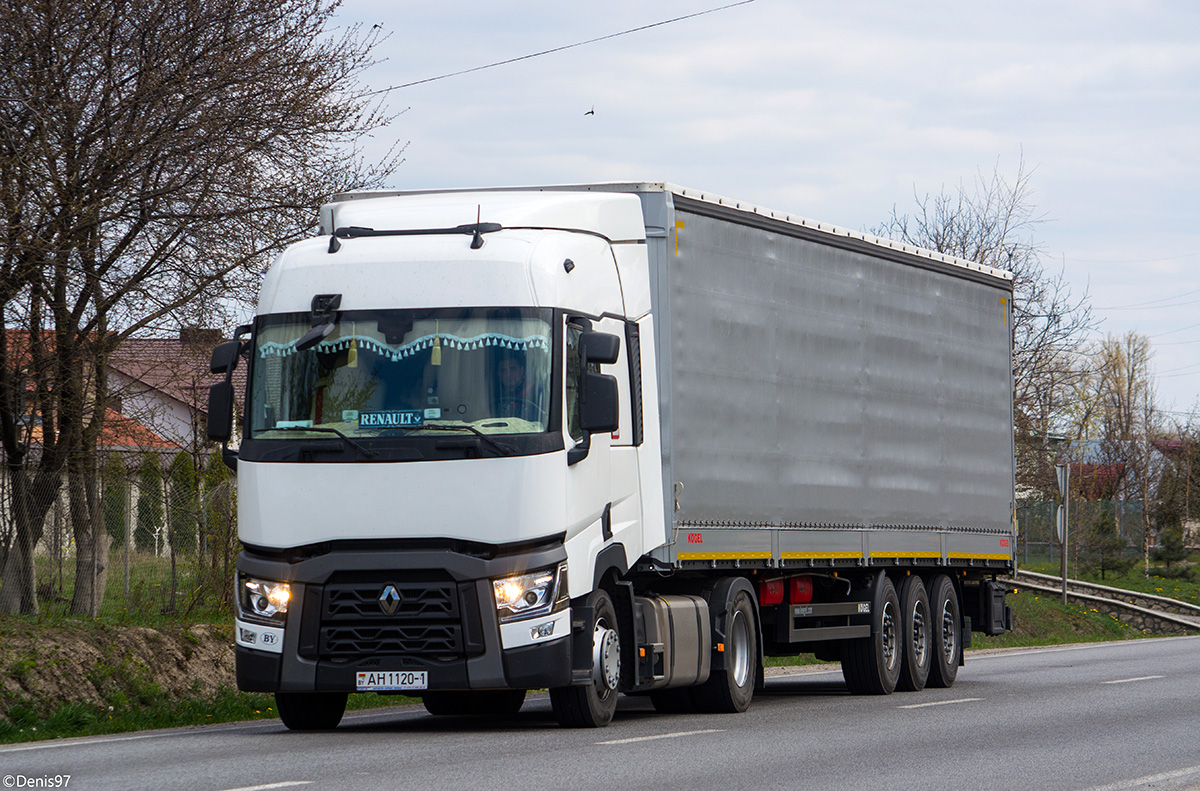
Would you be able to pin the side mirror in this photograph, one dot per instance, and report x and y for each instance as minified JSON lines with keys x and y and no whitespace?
{"x":224,"y":357}
{"x":599,"y":410}
{"x":220,"y":410}
{"x":599,"y":347}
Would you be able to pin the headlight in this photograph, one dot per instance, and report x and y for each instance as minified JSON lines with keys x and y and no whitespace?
{"x":530,"y":595}
{"x":263,"y":600}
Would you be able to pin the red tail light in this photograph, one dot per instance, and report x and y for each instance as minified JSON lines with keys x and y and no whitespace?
{"x":801,"y":589}
{"x":771,"y":592}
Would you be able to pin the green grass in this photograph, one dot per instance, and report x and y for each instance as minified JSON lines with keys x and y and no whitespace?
{"x":1041,"y":619}
{"x":1186,"y":590}
{"x":148,"y":602}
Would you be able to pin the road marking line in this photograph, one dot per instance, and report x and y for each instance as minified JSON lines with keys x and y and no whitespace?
{"x":939,"y":703}
{"x":1129,"y":680}
{"x":84,"y":742}
{"x":658,"y":736}
{"x":284,"y":784}
{"x":1141,"y":781}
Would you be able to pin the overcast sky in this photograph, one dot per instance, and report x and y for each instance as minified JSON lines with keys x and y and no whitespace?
{"x":837,"y":112}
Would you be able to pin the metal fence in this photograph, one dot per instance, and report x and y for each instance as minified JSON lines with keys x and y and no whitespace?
{"x":1037,"y":539}
{"x":171,"y":526}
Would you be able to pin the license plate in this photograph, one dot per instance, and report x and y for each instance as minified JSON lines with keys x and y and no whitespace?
{"x":392,"y":680}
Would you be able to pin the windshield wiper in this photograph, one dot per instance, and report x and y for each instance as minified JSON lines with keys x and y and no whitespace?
{"x":370,"y":454}
{"x":500,"y":447}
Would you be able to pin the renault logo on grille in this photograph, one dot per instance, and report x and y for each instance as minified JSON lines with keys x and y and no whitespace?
{"x":389,"y":600}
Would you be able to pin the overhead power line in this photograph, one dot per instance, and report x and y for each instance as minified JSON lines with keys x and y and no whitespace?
{"x":559,"y":49}
{"x":1172,"y":332}
{"x":1156,"y":302}
{"x":1129,"y":260}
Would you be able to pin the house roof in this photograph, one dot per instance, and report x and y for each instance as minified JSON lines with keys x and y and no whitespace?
{"x":177,"y":368}
{"x":125,"y":433}
{"x":120,"y":432}
{"x":1096,"y":481}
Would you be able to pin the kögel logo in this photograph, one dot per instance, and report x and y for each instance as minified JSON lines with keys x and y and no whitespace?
{"x":389,"y":600}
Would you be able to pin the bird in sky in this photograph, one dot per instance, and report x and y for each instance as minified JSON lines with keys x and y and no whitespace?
{"x":591,"y":111}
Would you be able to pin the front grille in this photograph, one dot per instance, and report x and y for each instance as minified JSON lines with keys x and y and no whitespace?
{"x":440,"y":639}
{"x":416,"y":600}
{"x":425,"y":620}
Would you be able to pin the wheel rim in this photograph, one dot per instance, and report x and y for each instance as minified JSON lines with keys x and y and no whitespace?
{"x":949,"y":639}
{"x":920,"y":635}
{"x":739,"y":647}
{"x":606,"y":658}
{"x":888,"y":635}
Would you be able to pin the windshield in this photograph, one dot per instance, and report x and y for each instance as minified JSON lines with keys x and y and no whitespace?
{"x":402,"y":372}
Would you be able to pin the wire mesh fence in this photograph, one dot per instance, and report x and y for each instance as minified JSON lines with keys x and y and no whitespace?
{"x":169,"y":523}
{"x":1096,"y":530}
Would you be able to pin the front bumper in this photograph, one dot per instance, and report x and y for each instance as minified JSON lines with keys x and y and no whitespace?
{"x":335,"y":627}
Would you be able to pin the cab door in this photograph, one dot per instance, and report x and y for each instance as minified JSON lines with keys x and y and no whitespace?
{"x":588,"y":459}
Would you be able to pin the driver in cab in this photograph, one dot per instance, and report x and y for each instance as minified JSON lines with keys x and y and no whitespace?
{"x":514,"y":396}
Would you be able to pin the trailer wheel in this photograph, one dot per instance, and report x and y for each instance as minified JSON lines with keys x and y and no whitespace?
{"x":593,"y":705}
{"x":730,"y":688}
{"x":917,"y":632}
{"x":871,"y":665}
{"x":481,"y":703}
{"x":311,"y":711}
{"x":947,"y":637}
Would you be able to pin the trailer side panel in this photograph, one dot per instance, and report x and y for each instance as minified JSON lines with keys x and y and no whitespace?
{"x":819,"y":382}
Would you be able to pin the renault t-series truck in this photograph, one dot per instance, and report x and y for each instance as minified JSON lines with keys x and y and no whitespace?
{"x":611,"y":439}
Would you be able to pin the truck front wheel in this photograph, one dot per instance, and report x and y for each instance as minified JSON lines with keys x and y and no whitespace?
{"x":593,"y":705}
{"x":311,"y":711}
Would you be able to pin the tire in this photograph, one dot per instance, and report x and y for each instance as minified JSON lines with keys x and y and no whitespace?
{"x":871,"y":665}
{"x":311,"y":711}
{"x":497,"y":703}
{"x":730,"y":688}
{"x":593,"y":705}
{"x":917,"y":635}
{"x":946,"y":622}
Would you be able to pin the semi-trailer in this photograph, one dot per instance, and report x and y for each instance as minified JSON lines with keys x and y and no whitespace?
{"x":611,"y":439}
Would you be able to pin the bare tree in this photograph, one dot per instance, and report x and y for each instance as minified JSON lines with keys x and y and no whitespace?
{"x":151,"y":157}
{"x":1129,"y":422}
{"x":992,"y":222}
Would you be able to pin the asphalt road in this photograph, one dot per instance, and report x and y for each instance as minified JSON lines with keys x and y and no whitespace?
{"x":1104,"y":717}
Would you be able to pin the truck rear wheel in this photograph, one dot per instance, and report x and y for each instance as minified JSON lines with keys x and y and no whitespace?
{"x":871,"y":665}
{"x":311,"y":711}
{"x":593,"y":706}
{"x":917,"y":632}
{"x":730,"y":688}
{"x":947,"y":632}
{"x":481,"y":703}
